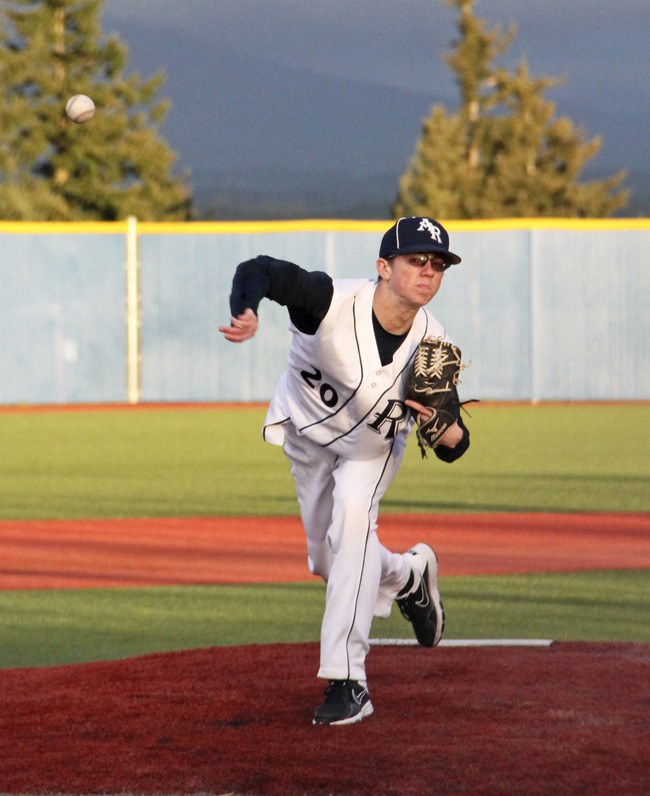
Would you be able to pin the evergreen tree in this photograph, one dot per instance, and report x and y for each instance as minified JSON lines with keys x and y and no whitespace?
{"x":503,"y":153}
{"x":111,"y":167}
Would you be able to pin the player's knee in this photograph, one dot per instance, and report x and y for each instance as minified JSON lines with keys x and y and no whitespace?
{"x":319,"y":558}
{"x":349,"y":524}
{"x":349,"y":541}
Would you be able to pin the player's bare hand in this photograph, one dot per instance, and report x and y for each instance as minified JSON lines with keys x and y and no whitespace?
{"x":241,"y":328}
{"x":452,"y":436}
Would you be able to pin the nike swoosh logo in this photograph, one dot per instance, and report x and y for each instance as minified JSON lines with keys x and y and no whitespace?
{"x":358,"y":698}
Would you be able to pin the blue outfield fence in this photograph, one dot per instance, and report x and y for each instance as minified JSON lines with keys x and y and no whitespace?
{"x":543,"y":309}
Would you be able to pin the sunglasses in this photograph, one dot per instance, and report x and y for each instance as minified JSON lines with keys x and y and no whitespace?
{"x":422,"y":259}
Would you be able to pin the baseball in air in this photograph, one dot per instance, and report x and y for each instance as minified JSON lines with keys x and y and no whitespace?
{"x":80,"y":108}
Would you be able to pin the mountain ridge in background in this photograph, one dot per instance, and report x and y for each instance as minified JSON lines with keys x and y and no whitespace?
{"x":263,"y":140}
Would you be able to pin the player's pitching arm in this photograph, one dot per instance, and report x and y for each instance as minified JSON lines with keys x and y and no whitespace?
{"x":306,"y":294}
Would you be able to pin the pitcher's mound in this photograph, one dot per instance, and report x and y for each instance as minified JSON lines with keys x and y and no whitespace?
{"x":564,"y":719}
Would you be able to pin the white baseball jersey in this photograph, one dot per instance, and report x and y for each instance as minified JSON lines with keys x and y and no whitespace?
{"x":335,"y":390}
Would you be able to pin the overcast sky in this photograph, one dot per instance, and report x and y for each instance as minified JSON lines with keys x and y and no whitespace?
{"x":600,"y":47}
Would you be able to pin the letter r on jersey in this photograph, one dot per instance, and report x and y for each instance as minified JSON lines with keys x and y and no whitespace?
{"x":393,"y":414}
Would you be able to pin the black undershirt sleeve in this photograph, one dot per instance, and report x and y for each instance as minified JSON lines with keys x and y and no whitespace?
{"x":306,"y":294}
{"x":450,"y":455}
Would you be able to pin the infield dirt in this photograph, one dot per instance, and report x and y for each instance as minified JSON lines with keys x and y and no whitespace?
{"x":51,"y":554}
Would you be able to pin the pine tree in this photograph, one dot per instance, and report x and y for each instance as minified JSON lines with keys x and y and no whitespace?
{"x":113,"y":166}
{"x":503,"y":153}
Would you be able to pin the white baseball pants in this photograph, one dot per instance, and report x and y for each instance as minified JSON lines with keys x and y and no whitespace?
{"x":339,"y":503}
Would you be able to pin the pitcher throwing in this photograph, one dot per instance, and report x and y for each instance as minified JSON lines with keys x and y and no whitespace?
{"x":340,"y":413}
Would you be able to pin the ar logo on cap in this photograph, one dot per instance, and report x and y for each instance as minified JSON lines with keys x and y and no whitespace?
{"x":427,"y":226}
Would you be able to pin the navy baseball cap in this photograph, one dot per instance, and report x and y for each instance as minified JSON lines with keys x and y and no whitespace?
{"x":417,"y":234}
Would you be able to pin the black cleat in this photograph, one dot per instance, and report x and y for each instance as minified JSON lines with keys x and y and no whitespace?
{"x":346,"y":702}
{"x":423,"y":607}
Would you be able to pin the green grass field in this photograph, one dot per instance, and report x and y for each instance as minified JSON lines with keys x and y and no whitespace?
{"x":45,"y":628}
{"x":207,"y":462}
{"x":210,"y":462}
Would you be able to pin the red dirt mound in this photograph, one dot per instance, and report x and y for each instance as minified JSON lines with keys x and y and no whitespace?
{"x":566,"y":720}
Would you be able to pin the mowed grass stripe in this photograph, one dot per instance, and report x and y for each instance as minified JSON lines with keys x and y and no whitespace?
{"x":48,"y":628}
{"x":212,"y":461}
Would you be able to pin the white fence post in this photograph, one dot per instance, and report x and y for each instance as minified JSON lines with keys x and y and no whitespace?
{"x":535,"y":316}
{"x":133,"y":316}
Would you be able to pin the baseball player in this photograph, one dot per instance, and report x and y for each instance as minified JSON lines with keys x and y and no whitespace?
{"x":340,"y":414}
